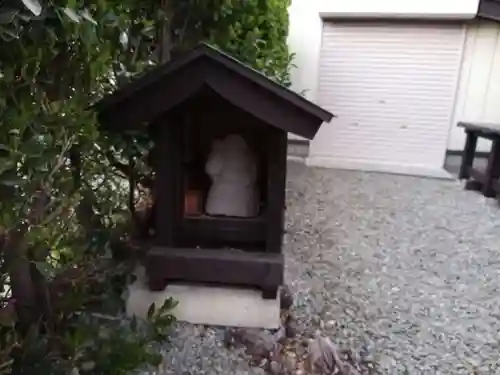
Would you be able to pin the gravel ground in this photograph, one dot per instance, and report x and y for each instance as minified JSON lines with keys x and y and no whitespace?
{"x":405,"y":270}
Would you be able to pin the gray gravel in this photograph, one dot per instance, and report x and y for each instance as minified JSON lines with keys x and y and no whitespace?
{"x":405,"y":270}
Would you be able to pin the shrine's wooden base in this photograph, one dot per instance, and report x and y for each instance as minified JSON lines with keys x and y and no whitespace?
{"x":215,"y":266}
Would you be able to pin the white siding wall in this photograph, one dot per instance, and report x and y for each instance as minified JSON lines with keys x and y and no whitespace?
{"x":392,"y":86}
{"x":479,"y":88}
{"x":304,"y":40}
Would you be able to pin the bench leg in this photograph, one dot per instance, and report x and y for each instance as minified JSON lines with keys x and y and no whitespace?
{"x":468,"y":155}
{"x":492,"y":171}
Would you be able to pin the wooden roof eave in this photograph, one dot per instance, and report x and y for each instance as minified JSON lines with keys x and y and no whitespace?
{"x":315,"y":115}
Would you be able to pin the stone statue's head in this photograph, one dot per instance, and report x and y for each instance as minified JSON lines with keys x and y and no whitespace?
{"x":231,"y":157}
{"x":231,"y":143}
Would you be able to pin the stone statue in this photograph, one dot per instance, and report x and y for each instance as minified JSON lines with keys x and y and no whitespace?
{"x":232,"y":167}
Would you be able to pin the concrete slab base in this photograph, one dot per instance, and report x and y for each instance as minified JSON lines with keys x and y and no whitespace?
{"x":218,"y":306}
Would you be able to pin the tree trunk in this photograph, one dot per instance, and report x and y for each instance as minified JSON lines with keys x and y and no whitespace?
{"x":164,"y":33}
{"x":85,"y":212}
{"x":19,"y":269}
{"x":29,"y":308}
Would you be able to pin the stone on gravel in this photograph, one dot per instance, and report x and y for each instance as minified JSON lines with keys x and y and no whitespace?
{"x":286,"y":298}
{"x":291,"y":328}
{"x":259,"y":344}
{"x":289,"y":363}
{"x":275,"y":368}
{"x":323,"y":356}
{"x":280,"y":334}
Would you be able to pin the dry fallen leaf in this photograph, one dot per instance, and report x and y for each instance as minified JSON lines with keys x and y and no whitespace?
{"x":324,"y":357}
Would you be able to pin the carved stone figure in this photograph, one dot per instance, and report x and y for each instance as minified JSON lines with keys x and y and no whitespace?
{"x":232,"y":167}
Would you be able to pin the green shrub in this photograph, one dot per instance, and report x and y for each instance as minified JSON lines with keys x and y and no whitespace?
{"x":253,"y":31}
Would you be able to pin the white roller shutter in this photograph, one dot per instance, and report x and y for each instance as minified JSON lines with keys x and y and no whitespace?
{"x":392,"y":87}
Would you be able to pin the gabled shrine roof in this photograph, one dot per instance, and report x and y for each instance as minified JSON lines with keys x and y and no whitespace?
{"x":170,"y":84}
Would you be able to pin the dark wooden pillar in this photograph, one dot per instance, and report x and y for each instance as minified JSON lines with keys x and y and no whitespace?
{"x":492,"y":172}
{"x":468,"y":155}
{"x":167,"y":195}
{"x":276,"y":185}
{"x":168,"y":187}
{"x":277,"y":153}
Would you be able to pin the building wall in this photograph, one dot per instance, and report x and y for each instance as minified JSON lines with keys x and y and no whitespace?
{"x":306,"y":27}
{"x":478,"y":98}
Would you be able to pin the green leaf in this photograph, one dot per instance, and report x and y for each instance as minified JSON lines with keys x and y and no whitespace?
{"x":72,"y":15}
{"x":8,"y":34}
{"x":10,"y":178}
{"x":151,"y":311}
{"x":88,"y":366}
{"x":4,"y":152}
{"x":15,"y":132}
{"x":86,"y":15}
{"x":123,"y":38}
{"x":133,"y":324}
{"x":34,"y":6}
{"x":168,"y":305}
{"x":7,"y":16}
{"x":46,"y":269}
{"x":34,"y":147}
{"x":25,"y":17}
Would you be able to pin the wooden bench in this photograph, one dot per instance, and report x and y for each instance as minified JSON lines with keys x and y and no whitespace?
{"x":484,"y":180}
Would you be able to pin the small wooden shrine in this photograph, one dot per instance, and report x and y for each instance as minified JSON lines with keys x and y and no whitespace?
{"x":220,"y":134}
